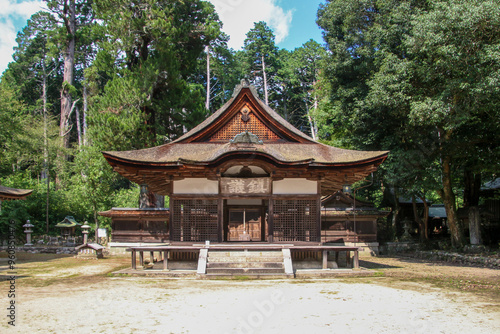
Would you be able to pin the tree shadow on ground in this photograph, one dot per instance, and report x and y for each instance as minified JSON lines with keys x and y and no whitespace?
{"x":374,"y":264}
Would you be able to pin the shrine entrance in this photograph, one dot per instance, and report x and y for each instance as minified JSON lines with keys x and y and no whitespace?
{"x":245,"y":220}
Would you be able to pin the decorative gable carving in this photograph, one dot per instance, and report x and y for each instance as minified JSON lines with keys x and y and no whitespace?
{"x":244,"y":121}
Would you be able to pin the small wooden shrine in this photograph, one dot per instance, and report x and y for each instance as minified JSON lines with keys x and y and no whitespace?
{"x":243,"y":175}
{"x":68,"y":226}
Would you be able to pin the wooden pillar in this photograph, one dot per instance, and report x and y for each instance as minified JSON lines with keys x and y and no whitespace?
{"x":356,"y":260}
{"x":270,"y":223}
{"x":152,"y":257}
{"x":325,"y":259}
{"x":220,"y":219}
{"x":318,"y":214}
{"x":165,"y":260}
{"x":134,"y":259}
{"x":171,"y":219}
{"x":141,"y":258}
{"x":348,"y":259}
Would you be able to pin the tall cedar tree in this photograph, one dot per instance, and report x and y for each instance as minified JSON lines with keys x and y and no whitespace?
{"x":262,"y":58}
{"x":154,"y":47}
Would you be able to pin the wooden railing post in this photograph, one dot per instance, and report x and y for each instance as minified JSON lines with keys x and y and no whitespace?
{"x":356,"y":260}
{"x":134,"y":259}
{"x":165,"y":260}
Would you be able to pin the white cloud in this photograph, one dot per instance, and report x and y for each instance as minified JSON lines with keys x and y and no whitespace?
{"x":239,"y":16}
{"x":12,"y":11}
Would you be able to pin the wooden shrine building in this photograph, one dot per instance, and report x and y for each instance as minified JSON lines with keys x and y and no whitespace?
{"x":243,"y":175}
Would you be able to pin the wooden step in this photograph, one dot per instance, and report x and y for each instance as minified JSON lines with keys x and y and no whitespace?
{"x":218,"y":265}
{"x":245,"y":271}
{"x":244,"y":259}
{"x":251,"y":254}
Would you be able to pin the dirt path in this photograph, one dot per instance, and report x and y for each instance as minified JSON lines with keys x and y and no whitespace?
{"x":405,"y":296}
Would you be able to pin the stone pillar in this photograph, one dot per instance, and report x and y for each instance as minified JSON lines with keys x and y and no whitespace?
{"x":85,"y":232}
{"x":28,"y":230}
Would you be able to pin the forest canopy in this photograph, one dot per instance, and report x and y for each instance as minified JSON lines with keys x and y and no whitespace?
{"x":418,"y":78}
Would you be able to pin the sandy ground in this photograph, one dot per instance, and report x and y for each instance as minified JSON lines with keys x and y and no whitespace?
{"x":80,"y":298}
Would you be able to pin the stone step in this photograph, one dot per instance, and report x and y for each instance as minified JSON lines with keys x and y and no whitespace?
{"x":244,"y":271}
{"x":244,"y":259}
{"x":277,"y":265}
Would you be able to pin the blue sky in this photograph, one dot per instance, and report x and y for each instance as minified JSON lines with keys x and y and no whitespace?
{"x":293,"y":21}
{"x":303,"y":26}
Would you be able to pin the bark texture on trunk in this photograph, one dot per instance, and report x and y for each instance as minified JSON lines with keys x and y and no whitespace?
{"x":207,"y":103}
{"x":69,"y":65}
{"x":448,"y":197}
{"x":475,"y":226}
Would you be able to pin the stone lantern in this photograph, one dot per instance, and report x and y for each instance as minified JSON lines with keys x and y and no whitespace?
{"x":85,"y":231}
{"x":406,"y":226}
{"x":28,"y":230}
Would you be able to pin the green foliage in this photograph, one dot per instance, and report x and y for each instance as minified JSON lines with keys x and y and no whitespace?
{"x":156,"y":47}
{"x":261,"y":57}
{"x":419,"y":78}
{"x":33,"y":208}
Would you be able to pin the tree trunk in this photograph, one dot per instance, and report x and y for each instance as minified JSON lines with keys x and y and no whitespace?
{"x":69,"y":65}
{"x":448,"y":197}
{"x":395,"y":215}
{"x":78,"y":127}
{"x":264,"y":75}
{"x":45,"y":147}
{"x":475,"y":226}
{"x":418,"y":219}
{"x":471,"y":201}
{"x":426,"y":217}
{"x":150,"y":123}
{"x":85,"y":110}
{"x":207,"y":103}
{"x":472,"y":185}
{"x":311,"y":124}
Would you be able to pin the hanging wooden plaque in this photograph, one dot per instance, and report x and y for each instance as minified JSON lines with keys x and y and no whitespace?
{"x":245,"y":186}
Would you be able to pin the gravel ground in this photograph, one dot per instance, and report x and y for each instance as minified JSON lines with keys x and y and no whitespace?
{"x":405,"y":296}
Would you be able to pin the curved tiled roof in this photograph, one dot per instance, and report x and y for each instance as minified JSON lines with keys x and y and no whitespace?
{"x":290,"y":152}
{"x":281,"y":152}
{"x":13,"y":193}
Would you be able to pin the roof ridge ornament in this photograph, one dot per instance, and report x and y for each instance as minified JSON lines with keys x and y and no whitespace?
{"x":245,"y":84}
{"x":246,"y":138}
